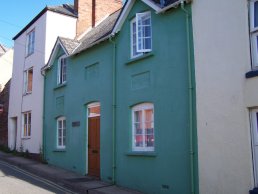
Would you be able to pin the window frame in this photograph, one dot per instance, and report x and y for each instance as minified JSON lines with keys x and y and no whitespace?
{"x":253,"y":35}
{"x":30,"y":42}
{"x":26,"y":81}
{"x":132,"y":23}
{"x":142,"y":107}
{"x":26,"y":124}
{"x":60,"y":70}
{"x":139,"y":17}
{"x":63,"y":135}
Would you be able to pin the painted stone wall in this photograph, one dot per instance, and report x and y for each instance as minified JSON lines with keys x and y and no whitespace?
{"x":160,"y":77}
{"x":222,"y":57}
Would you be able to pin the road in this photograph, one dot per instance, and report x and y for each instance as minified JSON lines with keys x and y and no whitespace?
{"x":14,"y":180}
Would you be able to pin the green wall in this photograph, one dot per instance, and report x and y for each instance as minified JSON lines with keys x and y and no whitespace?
{"x":167,"y":170}
{"x":88,"y":80}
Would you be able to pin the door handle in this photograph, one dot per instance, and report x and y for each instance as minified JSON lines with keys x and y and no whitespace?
{"x":95,"y":151}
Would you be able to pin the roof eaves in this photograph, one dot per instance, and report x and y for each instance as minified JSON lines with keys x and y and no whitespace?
{"x":122,"y":17}
{"x":31,"y":22}
{"x":52,"y":56}
{"x":37,"y":17}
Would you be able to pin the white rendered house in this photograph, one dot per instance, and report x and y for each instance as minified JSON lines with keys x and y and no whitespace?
{"x":32,"y":48}
{"x":6,"y":65}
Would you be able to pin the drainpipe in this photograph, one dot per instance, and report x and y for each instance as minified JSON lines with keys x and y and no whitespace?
{"x":113,"y":110}
{"x":43,"y":130}
{"x":191,"y":95}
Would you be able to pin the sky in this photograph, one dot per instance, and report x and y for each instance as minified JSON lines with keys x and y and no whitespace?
{"x":16,"y":14}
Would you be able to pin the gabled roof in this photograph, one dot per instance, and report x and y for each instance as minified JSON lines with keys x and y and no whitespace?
{"x":65,"y":9}
{"x":159,"y":6}
{"x":68,"y":46}
{"x":97,"y":34}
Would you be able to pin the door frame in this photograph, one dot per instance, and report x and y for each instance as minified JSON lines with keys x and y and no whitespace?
{"x":254,"y":134}
{"x":90,"y":105}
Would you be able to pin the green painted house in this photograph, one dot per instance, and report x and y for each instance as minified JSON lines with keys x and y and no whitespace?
{"x":120,"y":101}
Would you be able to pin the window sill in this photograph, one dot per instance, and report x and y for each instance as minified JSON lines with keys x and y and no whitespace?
{"x":136,"y":59}
{"x":26,"y":138}
{"x":60,"y":150}
{"x":251,"y":74}
{"x":27,"y":93}
{"x":60,"y":86}
{"x":142,"y":153}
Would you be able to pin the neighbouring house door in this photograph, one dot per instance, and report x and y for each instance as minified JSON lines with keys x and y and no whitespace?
{"x":254,"y":124}
{"x":94,"y":140}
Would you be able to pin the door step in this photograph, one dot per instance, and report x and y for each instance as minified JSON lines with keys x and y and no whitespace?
{"x":254,"y":191}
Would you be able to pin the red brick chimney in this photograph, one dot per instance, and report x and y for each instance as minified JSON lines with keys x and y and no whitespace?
{"x":91,"y":12}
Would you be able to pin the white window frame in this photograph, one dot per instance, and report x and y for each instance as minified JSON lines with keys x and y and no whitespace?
{"x":30,"y":43}
{"x":254,"y":35}
{"x":63,"y":134}
{"x":139,"y":36}
{"x":61,"y":74}
{"x":26,"y":124}
{"x":142,"y":107}
{"x":134,"y":40}
{"x":26,"y":81}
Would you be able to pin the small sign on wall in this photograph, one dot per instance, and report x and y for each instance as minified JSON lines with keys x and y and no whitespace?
{"x":76,"y":124}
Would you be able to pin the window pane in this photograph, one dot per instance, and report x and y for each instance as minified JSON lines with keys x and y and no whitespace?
{"x":149,"y":140}
{"x":138,"y":129}
{"x":139,"y":141}
{"x":60,"y":141}
{"x":138,"y":116}
{"x":256,"y":14}
{"x":30,"y":77}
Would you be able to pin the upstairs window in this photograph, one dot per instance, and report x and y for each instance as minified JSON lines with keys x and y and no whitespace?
{"x":61,"y":77}
{"x":254,"y":31}
{"x":30,"y":43}
{"x":28,"y":77}
{"x":143,"y":127}
{"x":141,"y":35}
{"x":61,"y":132}
{"x":26,"y":125}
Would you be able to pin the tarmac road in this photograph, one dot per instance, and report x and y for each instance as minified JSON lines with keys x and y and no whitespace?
{"x":14,"y":180}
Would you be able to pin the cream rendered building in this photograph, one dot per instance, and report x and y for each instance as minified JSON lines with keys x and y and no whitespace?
{"x":226,"y":98}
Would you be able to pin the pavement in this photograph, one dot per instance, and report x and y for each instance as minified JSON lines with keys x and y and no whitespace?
{"x":64,"y":178}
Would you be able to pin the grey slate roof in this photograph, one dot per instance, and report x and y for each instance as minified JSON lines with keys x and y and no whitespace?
{"x":69,"y":44}
{"x":65,"y":9}
{"x":100,"y":32}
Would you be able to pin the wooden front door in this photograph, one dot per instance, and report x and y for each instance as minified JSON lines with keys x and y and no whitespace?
{"x":94,"y":146}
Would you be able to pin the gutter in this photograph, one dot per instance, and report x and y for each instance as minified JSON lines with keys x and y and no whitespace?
{"x":173,"y":5}
{"x":191,"y":88}
{"x":114,"y":91}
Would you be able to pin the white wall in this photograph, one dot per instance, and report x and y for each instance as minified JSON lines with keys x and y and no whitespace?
{"x":222,"y":58}
{"x":6,"y":66}
{"x":47,"y":28}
